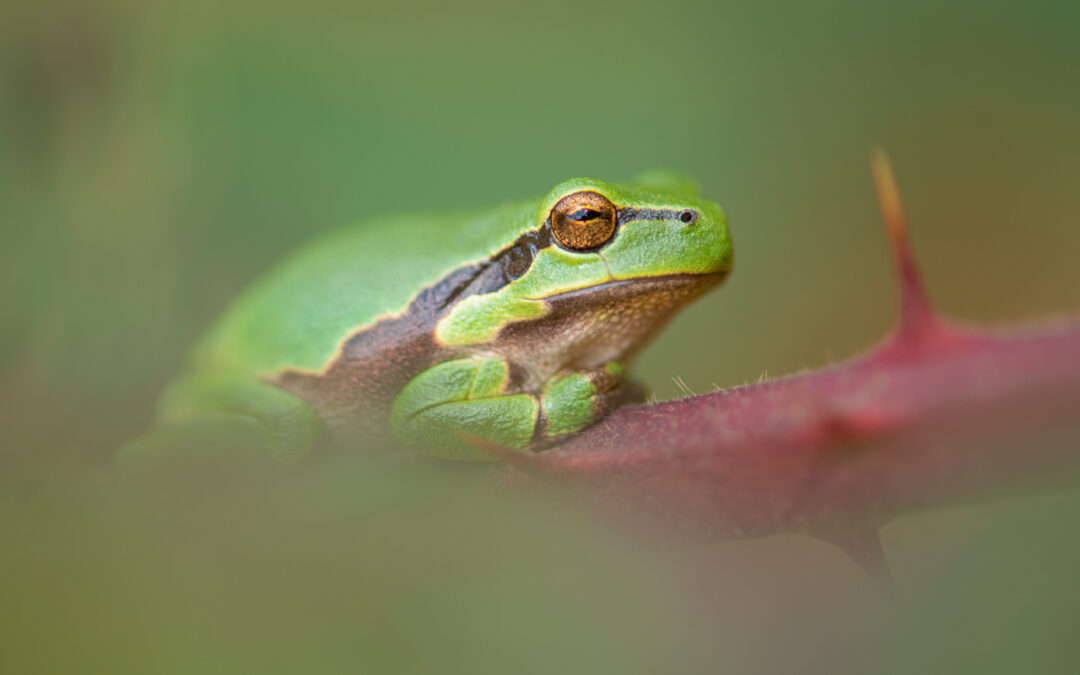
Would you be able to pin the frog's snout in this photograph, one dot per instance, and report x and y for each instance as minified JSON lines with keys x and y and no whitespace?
{"x":711,"y":236}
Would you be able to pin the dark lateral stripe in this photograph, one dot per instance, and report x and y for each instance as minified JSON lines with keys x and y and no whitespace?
{"x":450,"y":288}
{"x":485,"y":277}
{"x":629,"y":214}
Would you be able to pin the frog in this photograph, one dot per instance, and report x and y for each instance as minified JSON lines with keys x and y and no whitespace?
{"x":451,"y":333}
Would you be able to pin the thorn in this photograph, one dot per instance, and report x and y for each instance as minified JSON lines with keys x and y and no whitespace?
{"x":864,"y":548}
{"x":917,"y":314}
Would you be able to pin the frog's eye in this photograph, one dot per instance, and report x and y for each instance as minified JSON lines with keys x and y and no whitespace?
{"x":583,"y":221}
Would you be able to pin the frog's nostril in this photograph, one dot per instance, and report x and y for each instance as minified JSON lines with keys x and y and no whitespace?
{"x":688,"y":216}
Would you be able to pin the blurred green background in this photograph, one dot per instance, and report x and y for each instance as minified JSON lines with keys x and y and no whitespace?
{"x":156,"y":156}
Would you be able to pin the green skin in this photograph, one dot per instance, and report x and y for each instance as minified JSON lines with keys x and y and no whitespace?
{"x":412,"y":325}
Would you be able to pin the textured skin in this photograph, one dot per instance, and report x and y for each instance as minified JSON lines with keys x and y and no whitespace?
{"x":347,"y":322}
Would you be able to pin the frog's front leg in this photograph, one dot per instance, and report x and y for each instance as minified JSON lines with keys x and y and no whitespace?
{"x":470,"y":395}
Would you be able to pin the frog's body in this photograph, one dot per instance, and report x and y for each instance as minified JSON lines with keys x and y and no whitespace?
{"x":512,"y":324}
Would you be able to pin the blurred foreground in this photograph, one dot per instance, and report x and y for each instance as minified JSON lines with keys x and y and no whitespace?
{"x":368,"y":566}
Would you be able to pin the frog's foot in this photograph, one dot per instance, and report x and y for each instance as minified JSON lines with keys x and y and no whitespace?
{"x":573,"y":400}
{"x":443,"y":408}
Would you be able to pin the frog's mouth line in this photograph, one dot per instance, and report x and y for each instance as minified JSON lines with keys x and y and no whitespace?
{"x":624,"y":288}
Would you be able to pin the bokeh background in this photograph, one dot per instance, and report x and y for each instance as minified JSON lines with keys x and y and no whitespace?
{"x":155,"y":157}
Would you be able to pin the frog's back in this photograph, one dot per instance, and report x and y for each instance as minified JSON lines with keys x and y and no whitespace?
{"x":298,"y":315}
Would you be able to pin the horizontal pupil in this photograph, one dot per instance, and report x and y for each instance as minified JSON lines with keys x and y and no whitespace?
{"x":585,"y":214}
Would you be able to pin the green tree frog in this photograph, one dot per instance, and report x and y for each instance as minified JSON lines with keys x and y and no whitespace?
{"x":514,"y":325}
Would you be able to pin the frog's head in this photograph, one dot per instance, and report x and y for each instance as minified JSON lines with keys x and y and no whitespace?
{"x":600,"y":256}
{"x":656,"y":226}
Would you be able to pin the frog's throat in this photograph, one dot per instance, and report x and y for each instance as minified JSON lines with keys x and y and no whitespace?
{"x":589,"y":327}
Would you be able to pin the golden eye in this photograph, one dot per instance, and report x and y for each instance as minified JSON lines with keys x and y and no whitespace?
{"x":583,"y":221}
